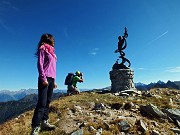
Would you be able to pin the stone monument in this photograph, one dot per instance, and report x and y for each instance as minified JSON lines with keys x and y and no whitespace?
{"x":121,"y":75}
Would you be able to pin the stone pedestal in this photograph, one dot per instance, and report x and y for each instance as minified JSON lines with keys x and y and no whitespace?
{"x":121,"y":79}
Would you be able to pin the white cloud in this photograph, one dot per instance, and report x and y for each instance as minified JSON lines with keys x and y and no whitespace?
{"x":149,"y":69}
{"x":94,"y":51}
{"x":173,"y":70}
{"x":140,"y":68}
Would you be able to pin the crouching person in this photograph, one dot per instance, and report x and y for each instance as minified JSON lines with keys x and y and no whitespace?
{"x":72,"y":87}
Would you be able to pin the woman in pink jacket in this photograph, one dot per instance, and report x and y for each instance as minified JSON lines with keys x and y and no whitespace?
{"x":46,"y":83}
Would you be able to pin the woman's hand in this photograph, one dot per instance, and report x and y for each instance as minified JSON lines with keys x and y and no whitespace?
{"x":55,"y":85}
{"x":45,"y":83}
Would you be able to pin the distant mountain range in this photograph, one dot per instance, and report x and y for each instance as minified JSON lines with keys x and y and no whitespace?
{"x":159,"y":84}
{"x":7,"y":95}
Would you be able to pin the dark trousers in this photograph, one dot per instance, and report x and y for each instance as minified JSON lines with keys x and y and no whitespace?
{"x":72,"y":90}
{"x":41,"y":111}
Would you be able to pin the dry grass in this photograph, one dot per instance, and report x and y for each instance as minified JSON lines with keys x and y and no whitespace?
{"x":67,"y":118}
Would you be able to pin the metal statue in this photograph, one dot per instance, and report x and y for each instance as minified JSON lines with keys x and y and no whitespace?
{"x":122,"y":44}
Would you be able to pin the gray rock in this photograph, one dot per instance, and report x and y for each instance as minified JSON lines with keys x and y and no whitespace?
{"x":116,"y":106}
{"x":146,"y":94}
{"x":124,"y":125}
{"x":170,"y":101}
{"x":77,"y":108}
{"x":107,"y":126}
{"x":100,"y":130}
{"x":116,"y":94}
{"x":157,"y":96}
{"x":131,"y":91}
{"x":142,"y":126}
{"x":97,"y":133}
{"x":78,"y":132}
{"x":128,"y":105}
{"x":174,"y":114}
{"x":131,"y":120}
{"x":153,"y":111}
{"x":91,"y":129}
{"x":154,"y":132}
{"x":83,"y":124}
{"x":176,"y":130}
{"x":178,"y":123}
{"x":123,"y":94}
{"x":155,"y":123}
{"x":169,"y":119}
{"x":100,"y":106}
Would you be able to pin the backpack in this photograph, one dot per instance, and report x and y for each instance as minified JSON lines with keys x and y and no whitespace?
{"x":69,"y":78}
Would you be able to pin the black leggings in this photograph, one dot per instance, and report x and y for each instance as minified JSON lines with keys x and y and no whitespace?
{"x":41,"y":111}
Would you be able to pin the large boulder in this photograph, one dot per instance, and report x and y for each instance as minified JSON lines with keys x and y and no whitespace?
{"x":152,"y":111}
{"x":174,"y":114}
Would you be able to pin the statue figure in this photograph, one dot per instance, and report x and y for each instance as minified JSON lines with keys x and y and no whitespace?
{"x":122,"y":43}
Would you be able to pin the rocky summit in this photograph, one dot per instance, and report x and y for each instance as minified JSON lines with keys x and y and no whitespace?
{"x":154,"y":112}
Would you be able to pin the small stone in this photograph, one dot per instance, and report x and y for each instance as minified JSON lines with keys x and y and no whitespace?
{"x":142,"y":126}
{"x":176,"y":130}
{"x":91,"y":128}
{"x":78,"y":132}
{"x":124,"y":125}
{"x":154,"y":132}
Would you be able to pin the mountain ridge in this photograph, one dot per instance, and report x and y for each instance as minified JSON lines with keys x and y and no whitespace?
{"x":11,"y":109}
{"x":7,"y":95}
{"x":158,"y":84}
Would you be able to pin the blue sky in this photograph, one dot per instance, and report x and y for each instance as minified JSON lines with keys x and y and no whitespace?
{"x":86,"y":35}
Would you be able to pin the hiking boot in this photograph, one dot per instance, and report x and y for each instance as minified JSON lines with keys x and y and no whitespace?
{"x":35,"y":130}
{"x":45,"y":125}
{"x":68,"y":93}
{"x":76,"y":92}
